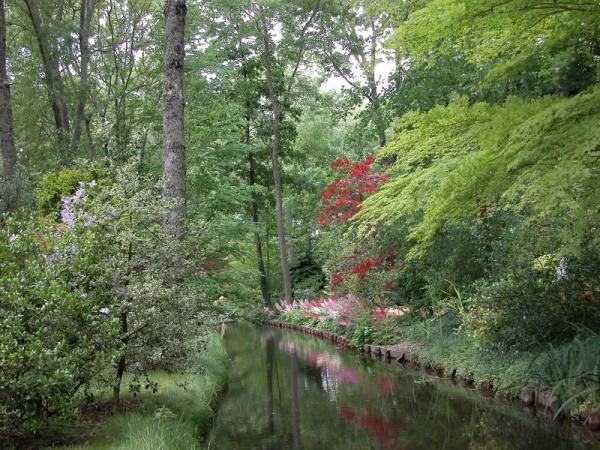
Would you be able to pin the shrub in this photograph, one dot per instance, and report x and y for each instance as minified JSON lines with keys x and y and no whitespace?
{"x":55,"y":336}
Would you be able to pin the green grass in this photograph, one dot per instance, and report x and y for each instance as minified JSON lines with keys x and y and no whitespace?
{"x":509,"y":370}
{"x":176,"y":417}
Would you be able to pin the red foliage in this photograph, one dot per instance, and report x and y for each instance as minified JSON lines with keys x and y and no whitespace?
{"x":344,"y":196}
{"x":382,"y":261}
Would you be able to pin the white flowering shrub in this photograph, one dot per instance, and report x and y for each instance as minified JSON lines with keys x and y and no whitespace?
{"x":89,"y":286}
{"x":54,"y":337}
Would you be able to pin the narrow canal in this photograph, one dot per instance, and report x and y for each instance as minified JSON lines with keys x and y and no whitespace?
{"x":292,"y":391}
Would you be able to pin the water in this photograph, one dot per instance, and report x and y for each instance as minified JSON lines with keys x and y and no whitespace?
{"x":292,"y":391}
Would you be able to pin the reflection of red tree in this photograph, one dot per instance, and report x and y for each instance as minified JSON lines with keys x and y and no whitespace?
{"x":384,"y":384}
{"x":386,"y":431}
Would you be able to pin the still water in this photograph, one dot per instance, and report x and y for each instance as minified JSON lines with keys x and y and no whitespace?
{"x":292,"y":391}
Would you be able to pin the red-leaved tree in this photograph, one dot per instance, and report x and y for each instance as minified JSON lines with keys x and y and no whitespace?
{"x":342,"y":200}
{"x":343,"y":197}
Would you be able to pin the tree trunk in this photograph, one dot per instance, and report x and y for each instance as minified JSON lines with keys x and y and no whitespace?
{"x":7,"y":140}
{"x":120,"y":365}
{"x":374,"y":95}
{"x":86,"y":11}
{"x":277,"y":110}
{"x":52,"y":75}
{"x":264,"y":283}
{"x":285,"y":270}
{"x":174,"y":139}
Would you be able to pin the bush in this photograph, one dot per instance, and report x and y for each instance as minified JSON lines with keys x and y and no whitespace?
{"x":90,"y":286}
{"x":55,"y":337}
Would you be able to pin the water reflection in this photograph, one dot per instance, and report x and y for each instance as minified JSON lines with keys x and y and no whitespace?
{"x":330,"y":364}
{"x":291,"y":391}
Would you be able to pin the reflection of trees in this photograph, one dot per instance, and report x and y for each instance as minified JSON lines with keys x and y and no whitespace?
{"x":270,"y":411}
{"x":330,"y":363}
{"x":387,"y":407}
{"x":295,"y":404}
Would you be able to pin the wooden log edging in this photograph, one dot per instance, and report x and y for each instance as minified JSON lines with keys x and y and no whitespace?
{"x":533,"y":399}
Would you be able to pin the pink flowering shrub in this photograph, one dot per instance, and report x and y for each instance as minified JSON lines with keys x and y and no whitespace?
{"x":346,"y":315}
{"x":341,"y":310}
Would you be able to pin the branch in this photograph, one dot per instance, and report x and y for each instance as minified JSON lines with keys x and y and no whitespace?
{"x":302,"y":48}
{"x":341,"y":73}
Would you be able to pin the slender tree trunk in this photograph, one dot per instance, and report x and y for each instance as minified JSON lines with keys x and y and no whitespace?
{"x":86,"y":11}
{"x":280,"y":215}
{"x":262,"y":275}
{"x":374,"y":95}
{"x":52,"y":75}
{"x":174,"y":138}
{"x":277,"y":110}
{"x":7,"y":139}
{"x":120,"y":365}
{"x":90,"y":137}
{"x":264,"y":283}
{"x":379,"y":119}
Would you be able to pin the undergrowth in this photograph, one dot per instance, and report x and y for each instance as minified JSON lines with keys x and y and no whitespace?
{"x":176,"y":417}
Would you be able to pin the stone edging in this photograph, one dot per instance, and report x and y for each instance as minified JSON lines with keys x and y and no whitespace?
{"x":533,"y":399}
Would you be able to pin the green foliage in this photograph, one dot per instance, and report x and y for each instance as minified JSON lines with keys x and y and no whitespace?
{"x":54,"y":185}
{"x":485,"y":194}
{"x":298,"y":317}
{"x":453,"y":160}
{"x":308,"y":279}
{"x":362,"y":331}
{"x":81,"y":292}
{"x":178,"y":415}
{"x":523,"y":47}
{"x":55,"y":338}
{"x":574,"y":371}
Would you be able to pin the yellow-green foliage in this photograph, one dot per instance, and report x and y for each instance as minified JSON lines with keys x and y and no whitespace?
{"x":56,"y":184}
{"x":495,"y":30}
{"x":537,"y":157}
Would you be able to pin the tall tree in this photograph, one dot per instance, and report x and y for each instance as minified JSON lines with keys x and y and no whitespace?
{"x":7,"y":140}
{"x":351,"y":47}
{"x":47,"y":44}
{"x":86,"y":11}
{"x":173,"y":104}
{"x":278,"y":97}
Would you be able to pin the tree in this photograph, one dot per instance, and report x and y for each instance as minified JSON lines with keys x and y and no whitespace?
{"x":7,"y":139}
{"x":350,"y":47}
{"x":249,"y":86}
{"x":173,"y":104}
{"x":86,"y":11}
{"x":278,"y":97}
{"x":524,"y":47}
{"x":47,"y":44}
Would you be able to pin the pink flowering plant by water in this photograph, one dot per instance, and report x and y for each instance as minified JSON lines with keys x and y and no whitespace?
{"x":340,"y":311}
{"x":346,"y":315}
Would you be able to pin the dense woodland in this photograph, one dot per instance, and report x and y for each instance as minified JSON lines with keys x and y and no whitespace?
{"x":168,"y":165}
